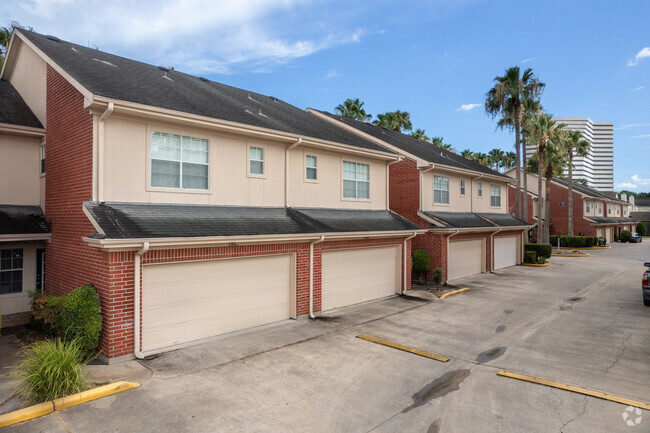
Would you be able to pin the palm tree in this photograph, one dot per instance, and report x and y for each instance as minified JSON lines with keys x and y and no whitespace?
{"x":505,"y":100}
{"x":496,"y":158}
{"x":510,"y":160}
{"x":420,"y":135}
{"x":466,"y":154}
{"x":573,"y":145}
{"x":394,"y":120}
{"x":481,"y":158}
{"x":353,"y":108}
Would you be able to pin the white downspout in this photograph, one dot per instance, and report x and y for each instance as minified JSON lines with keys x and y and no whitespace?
{"x":286,"y":170}
{"x":136,"y":300}
{"x":388,"y":181}
{"x":311,"y":275}
{"x":405,"y":270}
{"x":100,"y":151}
{"x":492,"y":247}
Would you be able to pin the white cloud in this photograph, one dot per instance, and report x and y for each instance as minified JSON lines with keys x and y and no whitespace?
{"x":532,"y":59}
{"x":645,"y":52}
{"x":333,"y":73}
{"x":196,"y":36}
{"x":467,"y":107}
{"x":626,"y":185}
{"x":636,"y":89}
{"x":633,"y":125}
{"x":640,"y":136}
{"x":639,"y":181}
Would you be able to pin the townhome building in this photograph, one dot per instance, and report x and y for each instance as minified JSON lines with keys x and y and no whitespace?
{"x":462,"y":205}
{"x":595,"y":213}
{"x":194,"y":208}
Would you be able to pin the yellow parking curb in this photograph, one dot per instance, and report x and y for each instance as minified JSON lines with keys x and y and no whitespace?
{"x":64,"y":402}
{"x":570,"y":255}
{"x":577,"y":389}
{"x":404,"y":348}
{"x":544,"y":265}
{"x":454,"y":293}
{"x":26,"y":414}
{"x":585,"y":248}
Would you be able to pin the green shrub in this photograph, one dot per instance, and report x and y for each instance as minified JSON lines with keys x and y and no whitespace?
{"x":626,"y":236}
{"x":541,"y":260}
{"x":437,"y":276}
{"x":46,"y":311}
{"x":530,"y":257}
{"x":640,"y":228}
{"x":81,"y":318}
{"x":602,"y":241}
{"x":50,"y":369}
{"x":615,"y":237}
{"x":574,"y":241}
{"x":420,"y":262}
{"x":541,"y":249}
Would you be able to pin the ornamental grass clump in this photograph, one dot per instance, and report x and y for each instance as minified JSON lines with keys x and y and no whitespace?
{"x":50,"y":369}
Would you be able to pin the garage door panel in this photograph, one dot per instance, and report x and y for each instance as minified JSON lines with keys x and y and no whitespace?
{"x":189,"y":301}
{"x":505,"y":251}
{"x":359,"y":275}
{"x":465,"y":258}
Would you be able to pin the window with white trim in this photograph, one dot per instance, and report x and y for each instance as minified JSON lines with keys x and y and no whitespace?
{"x":42,"y":158}
{"x":495,"y":195}
{"x":587,"y":205}
{"x":11,"y":271}
{"x":480,"y":189}
{"x":600,"y":207}
{"x":440,"y":190}
{"x":609,"y":209}
{"x":462,"y":187}
{"x":178,"y":161}
{"x":256,"y":160}
{"x":356,"y":180}
{"x":311,"y":167}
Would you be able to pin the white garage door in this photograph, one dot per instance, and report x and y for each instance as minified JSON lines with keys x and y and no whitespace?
{"x":465,"y":258}
{"x":359,"y":275}
{"x":505,"y":251}
{"x":599,"y":232}
{"x":188,"y":301}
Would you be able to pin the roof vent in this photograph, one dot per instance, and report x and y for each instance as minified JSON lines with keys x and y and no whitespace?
{"x":204,"y":79}
{"x":105,"y":62}
{"x":53,"y":38}
{"x":162,"y":68}
{"x":166,"y":77}
{"x":74,"y":49}
{"x":273,"y":98}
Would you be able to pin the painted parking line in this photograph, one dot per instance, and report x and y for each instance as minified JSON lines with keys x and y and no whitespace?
{"x":577,"y":389}
{"x":454,"y":293}
{"x":404,"y":348}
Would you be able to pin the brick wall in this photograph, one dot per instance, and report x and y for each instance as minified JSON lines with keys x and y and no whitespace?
{"x":560,"y":214}
{"x":511,"y":205}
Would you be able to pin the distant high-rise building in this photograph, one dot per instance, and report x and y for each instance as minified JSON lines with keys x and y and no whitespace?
{"x":597,"y":168}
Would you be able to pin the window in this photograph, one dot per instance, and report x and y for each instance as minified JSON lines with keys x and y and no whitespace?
{"x":441,"y":189}
{"x":587,"y":203}
{"x":11,"y":271}
{"x":562,"y":204}
{"x":480,"y":189}
{"x":311,"y":167}
{"x":42,"y":159}
{"x":256,"y":160}
{"x":618,"y":211}
{"x":462,"y":187}
{"x":356,"y":180}
{"x":178,"y":161}
{"x":609,"y":209}
{"x":600,"y":207}
{"x":495,"y":196}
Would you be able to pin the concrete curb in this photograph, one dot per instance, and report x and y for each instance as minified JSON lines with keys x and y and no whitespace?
{"x":570,"y":255}
{"x":64,"y":402}
{"x":586,"y":248}
{"x":454,"y":293}
{"x":535,"y":265}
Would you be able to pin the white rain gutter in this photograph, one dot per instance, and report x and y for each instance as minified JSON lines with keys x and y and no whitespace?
{"x":492,"y":246}
{"x":136,"y":300}
{"x":286,"y":170}
{"x":100,"y":151}
{"x":311,"y":275}
{"x":388,"y":181}
{"x":405,"y":270}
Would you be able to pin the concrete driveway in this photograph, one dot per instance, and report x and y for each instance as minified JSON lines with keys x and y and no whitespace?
{"x":317,"y":376}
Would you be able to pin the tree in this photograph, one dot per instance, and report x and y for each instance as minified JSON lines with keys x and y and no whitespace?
{"x":394,"y":120}
{"x":510,"y":160}
{"x":640,"y":228}
{"x":505,"y":100}
{"x":420,"y":135}
{"x":573,"y":145}
{"x":5,"y":38}
{"x":481,"y":158}
{"x":466,"y":154}
{"x":353,"y":108}
{"x":496,"y":158}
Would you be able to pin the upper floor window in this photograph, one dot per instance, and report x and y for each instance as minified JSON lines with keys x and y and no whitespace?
{"x":609,"y":209}
{"x":256,"y":160}
{"x":587,"y":203}
{"x":178,"y":161}
{"x":495,"y":196}
{"x":11,"y":271}
{"x":618,"y":211}
{"x":462,"y":187}
{"x":441,"y":189}
{"x":311,"y":167}
{"x":480,"y":189}
{"x":42,"y":158}
{"x":356,"y":180}
{"x":600,"y":207}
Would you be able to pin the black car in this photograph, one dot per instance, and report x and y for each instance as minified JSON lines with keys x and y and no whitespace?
{"x":645,"y":285}
{"x":636,"y":238}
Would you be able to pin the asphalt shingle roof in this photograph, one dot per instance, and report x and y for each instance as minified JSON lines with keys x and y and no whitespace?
{"x":611,"y":220}
{"x":588,"y":191}
{"x":475,"y":220}
{"x":16,"y":220}
{"x":416,"y":147}
{"x":504,"y":219}
{"x":13,"y":109}
{"x":124,"y":79}
{"x":144,"y":220}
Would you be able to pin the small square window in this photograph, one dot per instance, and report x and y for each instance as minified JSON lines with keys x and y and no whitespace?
{"x":311,"y":167}
{"x":256,"y":159}
{"x":462,"y":187}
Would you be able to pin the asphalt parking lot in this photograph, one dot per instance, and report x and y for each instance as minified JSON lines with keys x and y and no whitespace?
{"x":317,"y":376}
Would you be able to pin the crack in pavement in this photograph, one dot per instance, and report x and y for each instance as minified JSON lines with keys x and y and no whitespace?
{"x":620,"y":355}
{"x":582,"y":412}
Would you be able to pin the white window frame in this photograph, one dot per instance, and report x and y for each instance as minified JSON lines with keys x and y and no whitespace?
{"x":437,"y":186}
{"x":493,"y":196}
{"x":479,"y":189}
{"x":357,"y":181}
{"x":314,"y":168}
{"x":179,"y":188}
{"x":600,"y":207}
{"x":250,"y":159}
{"x":462,"y":187}
{"x":12,"y":269}
{"x":587,"y":203}
{"x":43,"y":160}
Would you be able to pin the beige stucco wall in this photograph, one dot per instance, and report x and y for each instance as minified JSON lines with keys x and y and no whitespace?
{"x":29,"y":78}
{"x":19,"y":165}
{"x":19,"y":302}
{"x":462,"y":203}
{"x":127,"y":171}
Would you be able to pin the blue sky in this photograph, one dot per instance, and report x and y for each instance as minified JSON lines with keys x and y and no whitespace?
{"x":429,"y":58}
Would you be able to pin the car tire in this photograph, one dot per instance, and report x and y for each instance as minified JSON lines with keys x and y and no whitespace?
{"x":646,"y":302}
